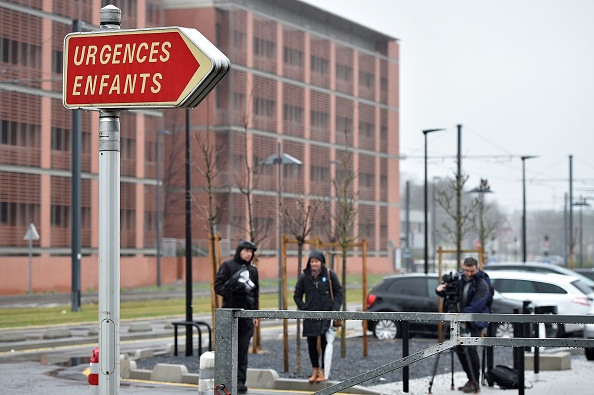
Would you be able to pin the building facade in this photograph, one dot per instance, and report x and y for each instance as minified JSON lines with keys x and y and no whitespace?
{"x":319,"y":87}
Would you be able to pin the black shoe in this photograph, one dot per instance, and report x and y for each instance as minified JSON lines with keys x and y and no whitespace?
{"x":472,"y":388}
{"x":241,"y":387}
{"x":468,"y":384}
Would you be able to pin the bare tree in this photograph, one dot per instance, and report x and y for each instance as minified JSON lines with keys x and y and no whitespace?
{"x":461,"y":218}
{"x":298,"y":220}
{"x":209,"y":170}
{"x":343,"y":218}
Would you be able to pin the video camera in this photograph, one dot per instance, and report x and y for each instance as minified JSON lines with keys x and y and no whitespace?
{"x":451,"y":297}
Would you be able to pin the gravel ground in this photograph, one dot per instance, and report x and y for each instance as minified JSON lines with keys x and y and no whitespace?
{"x":379,"y":353}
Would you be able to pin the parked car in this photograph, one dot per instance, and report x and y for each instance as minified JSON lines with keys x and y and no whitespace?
{"x":589,"y":334}
{"x":415,"y":292}
{"x":570,"y":294}
{"x":589,"y":272}
{"x":538,"y":267}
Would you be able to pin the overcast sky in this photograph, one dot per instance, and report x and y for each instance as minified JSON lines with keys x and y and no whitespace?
{"x":518,"y":75}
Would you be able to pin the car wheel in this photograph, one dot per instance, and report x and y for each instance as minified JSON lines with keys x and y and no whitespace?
{"x":505,"y":330}
{"x":589,"y":354}
{"x":386,"y":329}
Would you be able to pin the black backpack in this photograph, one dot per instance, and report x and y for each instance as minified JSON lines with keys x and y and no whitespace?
{"x":483,"y":275}
{"x":505,"y":377}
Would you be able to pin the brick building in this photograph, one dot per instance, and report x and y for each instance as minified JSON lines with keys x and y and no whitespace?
{"x":321,"y":87}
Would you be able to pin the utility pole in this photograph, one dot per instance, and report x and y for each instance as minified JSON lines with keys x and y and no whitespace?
{"x":459,"y":199}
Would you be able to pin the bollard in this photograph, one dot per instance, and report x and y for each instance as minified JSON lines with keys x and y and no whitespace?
{"x":93,"y":377}
{"x":206,"y":375}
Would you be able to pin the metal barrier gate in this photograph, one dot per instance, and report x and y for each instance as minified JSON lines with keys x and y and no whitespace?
{"x":226,"y":340}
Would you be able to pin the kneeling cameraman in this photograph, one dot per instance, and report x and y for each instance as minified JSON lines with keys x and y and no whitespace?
{"x":473,"y":295}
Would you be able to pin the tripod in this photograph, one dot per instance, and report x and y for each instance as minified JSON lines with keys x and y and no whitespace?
{"x":450,"y":304}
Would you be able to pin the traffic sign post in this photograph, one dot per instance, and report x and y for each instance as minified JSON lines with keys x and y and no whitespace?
{"x":30,"y":235}
{"x":111,"y":70}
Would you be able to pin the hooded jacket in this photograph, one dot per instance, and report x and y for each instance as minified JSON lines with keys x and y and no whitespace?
{"x":235,"y":290}
{"x":317,"y":295}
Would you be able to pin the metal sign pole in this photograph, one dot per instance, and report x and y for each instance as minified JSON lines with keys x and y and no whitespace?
{"x":109,"y":235}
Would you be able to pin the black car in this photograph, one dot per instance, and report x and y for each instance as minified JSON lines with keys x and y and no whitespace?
{"x":416,"y":293}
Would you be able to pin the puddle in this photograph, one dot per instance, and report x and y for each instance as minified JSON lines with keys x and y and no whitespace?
{"x":64,"y":361}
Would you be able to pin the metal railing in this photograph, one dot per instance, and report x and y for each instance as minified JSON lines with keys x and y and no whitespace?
{"x":226,"y":337}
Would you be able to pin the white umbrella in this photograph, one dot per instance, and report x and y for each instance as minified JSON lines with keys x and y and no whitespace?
{"x":330,"y":336}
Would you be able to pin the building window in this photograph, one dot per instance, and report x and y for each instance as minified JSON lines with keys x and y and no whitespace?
{"x":18,"y":214}
{"x":319,"y":173}
{"x":344,"y":72}
{"x":344,"y":124}
{"x":366,"y":180}
{"x":264,"y":107}
{"x":60,"y":139}
{"x":239,"y":40}
{"x":20,"y":134}
{"x":4,"y":213}
{"x":60,"y":216}
{"x":20,"y":53}
{"x":292,"y":114}
{"x":319,"y":65}
{"x":319,"y":120}
{"x":239,"y":102}
{"x":127,"y":219}
{"x":57,"y":61}
{"x":293,"y":57}
{"x":366,"y":79}
{"x":366,"y":130}
{"x":128,"y":148}
{"x":264,"y":48}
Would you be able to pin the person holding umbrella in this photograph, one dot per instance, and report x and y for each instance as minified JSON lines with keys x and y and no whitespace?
{"x":323,"y":292}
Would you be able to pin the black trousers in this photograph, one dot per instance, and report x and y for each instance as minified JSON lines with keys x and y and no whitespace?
{"x":469,"y":359}
{"x":312,"y":347}
{"x":246,"y":331}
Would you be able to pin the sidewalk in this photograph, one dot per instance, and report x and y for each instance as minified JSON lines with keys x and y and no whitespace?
{"x":578,"y":380}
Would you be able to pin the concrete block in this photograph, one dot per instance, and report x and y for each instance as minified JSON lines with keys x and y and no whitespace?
{"x":144,"y":353}
{"x":190,"y":378}
{"x":555,"y":361}
{"x":169,"y":373}
{"x":168,"y":325}
{"x":93,"y":331}
{"x":139,"y":327}
{"x":6,"y":337}
{"x":57,"y":333}
{"x":126,"y":366}
{"x":262,"y":378}
{"x":140,"y":374}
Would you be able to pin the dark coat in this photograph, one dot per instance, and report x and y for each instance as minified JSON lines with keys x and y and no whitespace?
{"x":235,"y":294}
{"x":317,"y":298}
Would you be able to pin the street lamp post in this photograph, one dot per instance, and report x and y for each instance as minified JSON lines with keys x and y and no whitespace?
{"x":159,"y":210}
{"x":280,"y":159}
{"x":434,"y":221}
{"x":524,"y":204}
{"x":426,"y":235}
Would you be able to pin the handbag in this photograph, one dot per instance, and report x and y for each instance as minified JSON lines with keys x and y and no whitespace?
{"x":335,"y":323}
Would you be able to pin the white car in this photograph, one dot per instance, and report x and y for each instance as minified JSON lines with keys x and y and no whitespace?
{"x":570,"y":294}
{"x":538,"y":267}
{"x":589,"y":334}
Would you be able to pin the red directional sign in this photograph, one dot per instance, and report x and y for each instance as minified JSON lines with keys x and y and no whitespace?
{"x":157,"y":68}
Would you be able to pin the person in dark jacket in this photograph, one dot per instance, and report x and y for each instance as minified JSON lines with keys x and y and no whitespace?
{"x":237,"y":282}
{"x":473,"y":297}
{"x":314,"y":284}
